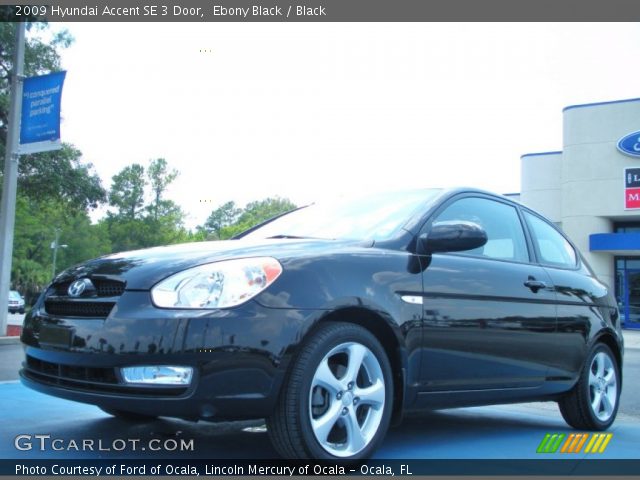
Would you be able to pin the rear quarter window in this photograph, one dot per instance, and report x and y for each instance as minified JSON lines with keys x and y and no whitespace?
{"x":551,"y":246}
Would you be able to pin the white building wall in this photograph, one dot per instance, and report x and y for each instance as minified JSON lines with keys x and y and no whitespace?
{"x":592,"y":166}
{"x":582,"y":188}
{"x":541,"y":183}
{"x":593,"y":174}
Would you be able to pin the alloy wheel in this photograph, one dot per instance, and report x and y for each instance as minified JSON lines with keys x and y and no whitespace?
{"x":346,"y":400}
{"x":603,"y":388}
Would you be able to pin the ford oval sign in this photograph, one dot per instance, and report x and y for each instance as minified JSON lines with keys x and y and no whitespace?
{"x":630,"y":144}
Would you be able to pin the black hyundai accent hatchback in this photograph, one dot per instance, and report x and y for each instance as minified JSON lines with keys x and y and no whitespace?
{"x":332,"y":320}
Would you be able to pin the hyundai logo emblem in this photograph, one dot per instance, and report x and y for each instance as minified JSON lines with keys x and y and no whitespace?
{"x":78,"y":287}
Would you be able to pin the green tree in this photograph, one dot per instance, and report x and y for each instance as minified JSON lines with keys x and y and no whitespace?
{"x":255,"y":213}
{"x":160,"y":177}
{"x":57,"y":174}
{"x":55,"y":189}
{"x":137,"y":224}
{"x":61,"y":175}
{"x":220,"y":218}
{"x":84,"y":240}
{"x":168,"y":227}
{"x":36,"y":222}
{"x":127,"y":192}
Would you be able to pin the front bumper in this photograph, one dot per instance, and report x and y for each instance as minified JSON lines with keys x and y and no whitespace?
{"x":239,"y":357}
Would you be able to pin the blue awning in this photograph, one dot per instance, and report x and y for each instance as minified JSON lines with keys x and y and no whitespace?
{"x":614,"y":242}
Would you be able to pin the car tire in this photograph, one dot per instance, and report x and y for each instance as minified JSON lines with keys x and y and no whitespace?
{"x":593,"y":403}
{"x":337,"y":399}
{"x":128,"y":416}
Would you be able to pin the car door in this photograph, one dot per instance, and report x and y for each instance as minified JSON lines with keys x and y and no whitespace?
{"x":583,"y":304}
{"x":488,"y":312}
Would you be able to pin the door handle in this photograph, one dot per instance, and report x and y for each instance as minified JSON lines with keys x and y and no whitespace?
{"x":534,"y":284}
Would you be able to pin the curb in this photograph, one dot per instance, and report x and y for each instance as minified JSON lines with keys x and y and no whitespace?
{"x":9,"y":340}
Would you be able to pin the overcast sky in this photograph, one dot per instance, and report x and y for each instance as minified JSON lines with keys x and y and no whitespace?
{"x":305,"y":111}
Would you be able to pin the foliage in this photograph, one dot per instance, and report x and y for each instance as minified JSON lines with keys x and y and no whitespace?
{"x":239,"y":220}
{"x":127,"y":192}
{"x":160,"y":177}
{"x":61,"y":175}
{"x":57,"y":190}
{"x":221,"y":217}
{"x":36,"y":222}
{"x":135,"y":224}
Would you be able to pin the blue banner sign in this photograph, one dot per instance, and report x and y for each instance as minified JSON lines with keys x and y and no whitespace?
{"x":630,"y":144}
{"x":40,"y":121}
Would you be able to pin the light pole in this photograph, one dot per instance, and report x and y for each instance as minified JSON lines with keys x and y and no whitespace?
{"x":55,"y":245}
{"x":10,"y":181}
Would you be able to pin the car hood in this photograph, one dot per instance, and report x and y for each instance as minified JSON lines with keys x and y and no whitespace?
{"x":141,"y":269}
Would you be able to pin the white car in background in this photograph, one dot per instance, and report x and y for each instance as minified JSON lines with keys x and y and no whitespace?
{"x":16,"y":302}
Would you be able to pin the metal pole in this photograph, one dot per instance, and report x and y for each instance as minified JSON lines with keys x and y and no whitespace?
{"x":55,"y":252}
{"x":10,"y":182}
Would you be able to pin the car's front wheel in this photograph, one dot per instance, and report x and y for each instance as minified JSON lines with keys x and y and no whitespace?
{"x":337,"y":400}
{"x":593,"y":402}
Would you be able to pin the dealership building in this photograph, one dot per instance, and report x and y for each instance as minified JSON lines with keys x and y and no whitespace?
{"x":591,"y":189}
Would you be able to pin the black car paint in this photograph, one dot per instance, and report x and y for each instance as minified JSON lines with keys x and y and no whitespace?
{"x":502,"y":343}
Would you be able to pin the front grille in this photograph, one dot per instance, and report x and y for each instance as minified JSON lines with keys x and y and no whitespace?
{"x":104,"y":287}
{"x":69,"y":372}
{"x":109,"y":288}
{"x":90,"y":379}
{"x":78,"y":308}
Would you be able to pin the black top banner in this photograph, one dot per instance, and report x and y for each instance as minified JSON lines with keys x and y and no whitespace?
{"x":322,"y":11}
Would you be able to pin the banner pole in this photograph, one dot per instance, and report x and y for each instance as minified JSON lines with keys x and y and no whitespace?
{"x":10,"y":181}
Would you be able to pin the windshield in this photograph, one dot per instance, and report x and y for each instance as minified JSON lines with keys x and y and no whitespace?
{"x":14,"y":295}
{"x":371,"y":217}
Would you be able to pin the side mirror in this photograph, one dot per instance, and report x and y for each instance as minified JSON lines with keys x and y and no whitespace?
{"x":452,"y":236}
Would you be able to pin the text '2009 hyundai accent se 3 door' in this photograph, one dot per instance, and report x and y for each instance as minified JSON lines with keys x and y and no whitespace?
{"x":332,"y":320}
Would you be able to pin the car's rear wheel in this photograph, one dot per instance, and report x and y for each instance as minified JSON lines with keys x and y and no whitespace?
{"x":337,"y":400}
{"x":593,"y":402}
{"x":129,"y":416}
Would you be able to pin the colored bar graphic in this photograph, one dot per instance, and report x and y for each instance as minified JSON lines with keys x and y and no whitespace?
{"x":581,"y":443}
{"x":591,"y":442}
{"x":608,"y":438}
{"x":550,"y":443}
{"x":543,"y":443}
{"x":597,"y":443}
{"x":568,"y":444}
{"x":574,"y":443}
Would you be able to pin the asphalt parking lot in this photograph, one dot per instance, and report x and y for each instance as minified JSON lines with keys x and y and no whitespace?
{"x":496,"y":432}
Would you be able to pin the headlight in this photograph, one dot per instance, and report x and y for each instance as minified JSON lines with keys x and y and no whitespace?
{"x":217,"y":285}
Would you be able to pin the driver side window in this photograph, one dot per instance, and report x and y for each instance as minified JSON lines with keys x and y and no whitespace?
{"x":505,"y":237}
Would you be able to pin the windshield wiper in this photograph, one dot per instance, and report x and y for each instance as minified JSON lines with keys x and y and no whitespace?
{"x":288,"y":236}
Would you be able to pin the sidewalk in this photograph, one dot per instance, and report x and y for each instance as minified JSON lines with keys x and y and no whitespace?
{"x":631,"y":338}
